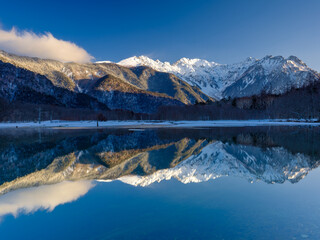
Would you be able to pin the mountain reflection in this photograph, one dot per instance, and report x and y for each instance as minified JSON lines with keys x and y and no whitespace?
{"x":273,"y":155}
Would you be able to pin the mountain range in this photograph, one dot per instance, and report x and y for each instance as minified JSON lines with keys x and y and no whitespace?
{"x":142,"y":85}
{"x":139,"y":89}
{"x":271,"y":74}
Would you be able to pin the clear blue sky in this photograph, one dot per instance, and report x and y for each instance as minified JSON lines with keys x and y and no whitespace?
{"x":224,"y":31}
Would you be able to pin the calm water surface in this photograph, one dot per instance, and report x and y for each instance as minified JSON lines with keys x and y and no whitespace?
{"x":214,"y":183}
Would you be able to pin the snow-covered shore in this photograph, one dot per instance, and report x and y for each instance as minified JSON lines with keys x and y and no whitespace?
{"x":158,"y":124}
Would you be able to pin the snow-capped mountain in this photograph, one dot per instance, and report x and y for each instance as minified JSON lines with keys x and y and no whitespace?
{"x":140,"y":89}
{"x":142,"y":85}
{"x":271,"y":165}
{"x":275,"y":75}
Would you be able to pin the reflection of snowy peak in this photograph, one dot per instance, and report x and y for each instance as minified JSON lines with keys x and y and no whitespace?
{"x":274,"y":75}
{"x":271,"y":165}
{"x":143,"y":157}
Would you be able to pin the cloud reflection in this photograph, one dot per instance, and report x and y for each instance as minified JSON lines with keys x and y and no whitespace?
{"x":45,"y":197}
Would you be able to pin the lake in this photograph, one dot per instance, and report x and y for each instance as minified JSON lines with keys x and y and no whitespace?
{"x":192,"y":183}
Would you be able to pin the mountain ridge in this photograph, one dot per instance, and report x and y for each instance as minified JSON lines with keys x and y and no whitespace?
{"x":72,"y":76}
{"x":143,"y":85}
{"x":271,"y":74}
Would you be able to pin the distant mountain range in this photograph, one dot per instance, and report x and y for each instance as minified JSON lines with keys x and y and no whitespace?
{"x":142,"y":85}
{"x":272,"y":75}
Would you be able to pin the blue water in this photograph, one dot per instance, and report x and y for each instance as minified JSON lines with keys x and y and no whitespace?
{"x":228,"y":207}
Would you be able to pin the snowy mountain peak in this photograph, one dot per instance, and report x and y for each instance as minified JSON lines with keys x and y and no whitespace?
{"x":281,"y":60}
{"x":279,"y":63}
{"x":138,"y":61}
{"x":211,"y":77}
{"x":296,"y":60}
{"x":195,"y":62}
{"x":271,"y":74}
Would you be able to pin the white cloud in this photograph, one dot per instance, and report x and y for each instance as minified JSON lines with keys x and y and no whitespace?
{"x":43,"y":46}
{"x":45,"y":197}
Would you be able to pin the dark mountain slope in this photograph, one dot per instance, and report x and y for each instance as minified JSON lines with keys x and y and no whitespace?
{"x":72,"y":76}
{"x":169,"y":84}
{"x":17,"y":84}
{"x":118,"y":94}
{"x":22,"y":85}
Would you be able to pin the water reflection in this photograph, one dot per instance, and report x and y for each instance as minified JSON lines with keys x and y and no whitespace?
{"x":40,"y":170}
{"x":140,"y":158}
{"x":188,"y":155}
{"x":271,"y":165}
{"x":46,"y":197}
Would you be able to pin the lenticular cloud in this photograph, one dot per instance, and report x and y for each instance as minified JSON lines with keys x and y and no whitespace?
{"x":42,"y":46}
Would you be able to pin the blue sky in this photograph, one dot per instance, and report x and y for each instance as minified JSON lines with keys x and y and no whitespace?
{"x":225,"y":31}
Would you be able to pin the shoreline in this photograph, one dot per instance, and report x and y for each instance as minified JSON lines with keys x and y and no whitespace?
{"x":158,"y":124}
